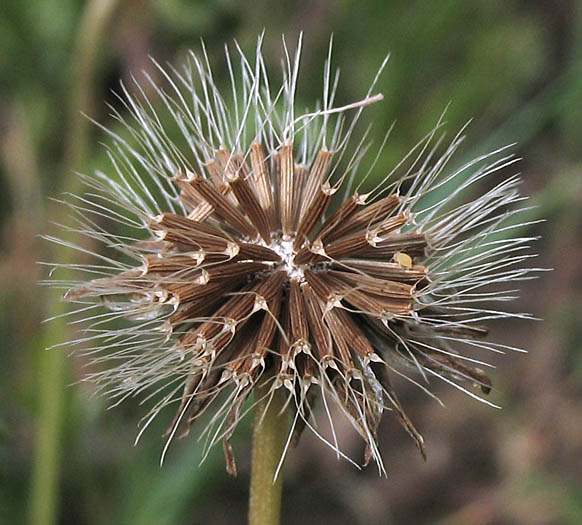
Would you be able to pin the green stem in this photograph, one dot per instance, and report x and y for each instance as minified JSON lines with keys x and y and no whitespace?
{"x":52,"y":377}
{"x":269,"y":434}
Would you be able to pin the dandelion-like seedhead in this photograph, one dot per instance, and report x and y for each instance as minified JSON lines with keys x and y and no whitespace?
{"x":242,"y":249}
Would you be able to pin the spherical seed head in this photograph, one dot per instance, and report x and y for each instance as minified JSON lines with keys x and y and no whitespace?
{"x":227,"y":268}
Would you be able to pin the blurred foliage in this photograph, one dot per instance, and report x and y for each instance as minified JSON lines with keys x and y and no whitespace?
{"x":515,"y":66}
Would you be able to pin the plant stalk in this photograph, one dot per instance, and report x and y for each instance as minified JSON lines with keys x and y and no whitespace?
{"x":53,"y":370}
{"x":270,"y":431}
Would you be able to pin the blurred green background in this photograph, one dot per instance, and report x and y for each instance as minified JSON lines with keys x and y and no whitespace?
{"x":516,"y":66}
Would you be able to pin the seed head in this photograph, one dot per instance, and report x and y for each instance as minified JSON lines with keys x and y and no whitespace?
{"x":243,"y":250}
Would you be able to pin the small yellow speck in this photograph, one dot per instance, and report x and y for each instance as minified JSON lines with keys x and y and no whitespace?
{"x":403,"y":259}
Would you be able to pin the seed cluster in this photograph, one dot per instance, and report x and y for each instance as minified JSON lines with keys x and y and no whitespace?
{"x":240,"y":262}
{"x":259,"y":278}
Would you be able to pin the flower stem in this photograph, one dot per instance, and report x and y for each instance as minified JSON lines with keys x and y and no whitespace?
{"x":269,"y":435}
{"x":53,"y":375}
